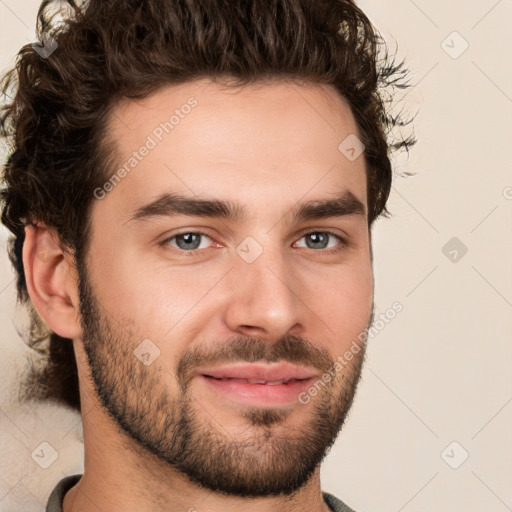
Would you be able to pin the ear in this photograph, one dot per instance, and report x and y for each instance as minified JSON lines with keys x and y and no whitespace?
{"x":52,"y":281}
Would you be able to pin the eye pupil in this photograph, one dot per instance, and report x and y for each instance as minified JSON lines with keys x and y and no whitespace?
{"x":318,"y":238}
{"x":188,"y":238}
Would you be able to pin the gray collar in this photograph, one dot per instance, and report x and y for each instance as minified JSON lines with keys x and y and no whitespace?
{"x":57,"y":496}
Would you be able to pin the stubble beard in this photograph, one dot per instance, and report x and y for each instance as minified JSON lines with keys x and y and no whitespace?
{"x":270,"y":457}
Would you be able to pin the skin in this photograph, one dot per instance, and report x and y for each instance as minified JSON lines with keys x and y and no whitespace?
{"x":267,"y":147}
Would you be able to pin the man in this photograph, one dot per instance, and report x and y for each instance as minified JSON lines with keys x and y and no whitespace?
{"x":191,"y":190}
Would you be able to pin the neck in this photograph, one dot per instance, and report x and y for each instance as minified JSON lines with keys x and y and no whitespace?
{"x":129,"y":488}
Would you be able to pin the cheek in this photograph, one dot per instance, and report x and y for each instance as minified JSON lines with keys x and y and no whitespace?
{"x":156,"y":302}
{"x":344,"y":302}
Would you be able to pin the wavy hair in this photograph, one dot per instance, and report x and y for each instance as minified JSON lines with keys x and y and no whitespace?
{"x":95,"y":53}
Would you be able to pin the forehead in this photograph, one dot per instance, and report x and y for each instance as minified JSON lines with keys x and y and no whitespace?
{"x":209,"y":140}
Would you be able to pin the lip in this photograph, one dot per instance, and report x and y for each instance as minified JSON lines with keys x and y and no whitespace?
{"x":260,"y":372}
{"x":258,"y":394}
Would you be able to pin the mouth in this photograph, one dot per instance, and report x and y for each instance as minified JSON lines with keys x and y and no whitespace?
{"x":256,"y":381}
{"x":260,"y":373}
{"x":258,"y":385}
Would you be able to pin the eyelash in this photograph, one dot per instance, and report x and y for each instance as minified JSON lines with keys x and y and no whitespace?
{"x":343,"y":243}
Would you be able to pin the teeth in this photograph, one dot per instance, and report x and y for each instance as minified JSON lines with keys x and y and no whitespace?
{"x":268,"y":383}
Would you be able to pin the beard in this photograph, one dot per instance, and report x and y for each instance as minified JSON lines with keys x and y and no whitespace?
{"x":268,"y":458}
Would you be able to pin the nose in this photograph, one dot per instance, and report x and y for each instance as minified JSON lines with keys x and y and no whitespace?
{"x":265,"y":298}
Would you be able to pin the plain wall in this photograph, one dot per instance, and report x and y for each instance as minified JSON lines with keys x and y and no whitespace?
{"x":437,"y":383}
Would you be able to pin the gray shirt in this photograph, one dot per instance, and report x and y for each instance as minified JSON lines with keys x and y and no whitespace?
{"x":57,"y":496}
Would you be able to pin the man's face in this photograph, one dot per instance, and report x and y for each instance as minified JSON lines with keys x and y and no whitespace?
{"x":179,"y":306}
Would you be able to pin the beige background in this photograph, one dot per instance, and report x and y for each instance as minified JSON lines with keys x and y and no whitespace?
{"x":440,"y":372}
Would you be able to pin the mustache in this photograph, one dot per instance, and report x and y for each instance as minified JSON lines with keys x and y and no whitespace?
{"x":291,"y":349}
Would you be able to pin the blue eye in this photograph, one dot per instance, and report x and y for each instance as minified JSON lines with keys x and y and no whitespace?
{"x":188,"y":241}
{"x":320,"y":240}
{"x":193,"y":241}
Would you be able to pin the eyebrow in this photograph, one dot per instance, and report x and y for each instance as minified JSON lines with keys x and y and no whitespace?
{"x":168,"y":204}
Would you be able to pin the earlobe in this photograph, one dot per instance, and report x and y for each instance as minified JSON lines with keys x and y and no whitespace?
{"x":51,"y":281}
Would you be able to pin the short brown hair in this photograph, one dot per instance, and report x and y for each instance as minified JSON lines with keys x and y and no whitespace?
{"x":102,"y":51}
